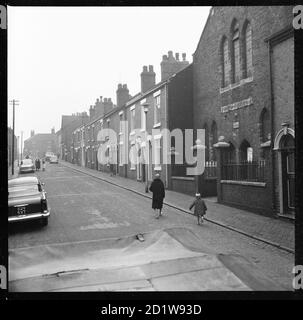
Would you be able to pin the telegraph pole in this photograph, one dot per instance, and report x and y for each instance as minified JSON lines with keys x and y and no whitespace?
{"x":21,"y":143}
{"x":14,"y":103}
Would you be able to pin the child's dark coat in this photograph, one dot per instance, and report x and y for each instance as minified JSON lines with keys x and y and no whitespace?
{"x":200,"y":207}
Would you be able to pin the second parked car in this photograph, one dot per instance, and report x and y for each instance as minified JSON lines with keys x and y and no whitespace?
{"x":26,"y":165}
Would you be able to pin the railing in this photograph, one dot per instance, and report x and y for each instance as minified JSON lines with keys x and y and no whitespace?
{"x":210,"y":169}
{"x":245,"y":171}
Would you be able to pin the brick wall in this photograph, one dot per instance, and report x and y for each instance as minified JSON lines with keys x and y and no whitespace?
{"x":207,"y":75}
{"x":180,"y":116}
{"x":283,"y":93}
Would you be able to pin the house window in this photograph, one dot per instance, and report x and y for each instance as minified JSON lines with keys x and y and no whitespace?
{"x":246,"y":152}
{"x":133,"y":157}
{"x":264,"y":126}
{"x":157,"y":106}
{"x":143,"y":119}
{"x":225,"y":62}
{"x":212,"y":140}
{"x":236,"y":53}
{"x":248,"y":50}
{"x":121,"y":123}
{"x":157,"y":153}
{"x":121,"y":153}
{"x":132,"y":118}
{"x":205,"y":127}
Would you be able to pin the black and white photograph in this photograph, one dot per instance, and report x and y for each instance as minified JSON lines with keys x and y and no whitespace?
{"x":151,"y":149}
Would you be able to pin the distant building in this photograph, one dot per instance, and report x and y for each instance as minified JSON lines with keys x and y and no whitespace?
{"x":38,"y":144}
{"x":68,"y":124}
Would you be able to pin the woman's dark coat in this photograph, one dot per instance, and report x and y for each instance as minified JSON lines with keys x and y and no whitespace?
{"x":157,"y":188}
{"x":38,"y":164}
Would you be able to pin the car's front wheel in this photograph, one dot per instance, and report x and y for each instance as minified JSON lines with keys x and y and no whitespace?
{"x":44,"y":222}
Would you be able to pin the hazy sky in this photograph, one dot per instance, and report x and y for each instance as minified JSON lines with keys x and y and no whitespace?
{"x":61,"y":59}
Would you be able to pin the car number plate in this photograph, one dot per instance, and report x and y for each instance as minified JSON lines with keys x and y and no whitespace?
{"x":21,"y":211}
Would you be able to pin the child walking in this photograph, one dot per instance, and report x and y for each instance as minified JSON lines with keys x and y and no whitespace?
{"x":200,"y":208}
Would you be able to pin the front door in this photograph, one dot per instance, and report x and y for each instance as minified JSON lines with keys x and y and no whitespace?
{"x":288,"y":174}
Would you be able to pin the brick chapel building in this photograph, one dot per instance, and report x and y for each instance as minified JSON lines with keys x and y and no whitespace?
{"x":243,"y":96}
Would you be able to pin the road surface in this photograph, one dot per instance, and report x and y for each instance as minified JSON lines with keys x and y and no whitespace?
{"x":85,"y":208}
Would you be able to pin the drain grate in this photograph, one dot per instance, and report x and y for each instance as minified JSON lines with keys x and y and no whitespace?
{"x":140,"y":237}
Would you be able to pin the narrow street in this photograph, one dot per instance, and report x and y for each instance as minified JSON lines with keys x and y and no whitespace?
{"x":84,"y":208}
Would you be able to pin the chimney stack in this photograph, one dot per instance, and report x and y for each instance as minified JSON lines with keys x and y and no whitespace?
{"x":148,"y":78}
{"x":171,"y":65}
{"x":99,"y":107}
{"x":122,"y":95}
{"x":108,"y":105}
{"x":91,"y":112}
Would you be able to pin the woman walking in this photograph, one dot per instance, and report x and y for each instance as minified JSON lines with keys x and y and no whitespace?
{"x":157,"y":188}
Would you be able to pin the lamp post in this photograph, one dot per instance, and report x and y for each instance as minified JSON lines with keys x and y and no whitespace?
{"x":145,"y":109}
{"x":21,"y":144}
{"x":14,"y":103}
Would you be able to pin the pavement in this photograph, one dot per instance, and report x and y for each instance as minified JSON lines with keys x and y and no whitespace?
{"x":16,"y":171}
{"x":272,"y":231}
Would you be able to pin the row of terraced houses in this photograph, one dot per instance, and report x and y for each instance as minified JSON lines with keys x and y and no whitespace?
{"x":239,"y":88}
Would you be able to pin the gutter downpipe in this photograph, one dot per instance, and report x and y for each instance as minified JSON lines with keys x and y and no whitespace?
{"x":166,"y":123}
{"x":272,"y":127}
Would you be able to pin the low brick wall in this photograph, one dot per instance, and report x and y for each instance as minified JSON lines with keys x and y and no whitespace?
{"x":252,"y":196}
{"x":208,"y":187}
{"x":183,"y":184}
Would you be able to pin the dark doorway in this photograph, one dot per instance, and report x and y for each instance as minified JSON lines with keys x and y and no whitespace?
{"x":288,"y":173}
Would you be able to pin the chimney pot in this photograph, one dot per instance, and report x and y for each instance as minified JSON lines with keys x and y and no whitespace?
{"x":184,"y":56}
{"x":125,"y":86}
{"x":148,"y":79}
{"x":170,"y":54}
{"x":119,"y":86}
{"x":177,"y":56}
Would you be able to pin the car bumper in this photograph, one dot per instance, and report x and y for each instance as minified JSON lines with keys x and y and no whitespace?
{"x":32,"y":216}
{"x":26,"y":170}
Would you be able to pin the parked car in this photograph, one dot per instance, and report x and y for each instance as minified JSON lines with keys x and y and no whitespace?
{"x":54,"y":159}
{"x":26,"y":165}
{"x":27,"y":200}
{"x":48,"y":156}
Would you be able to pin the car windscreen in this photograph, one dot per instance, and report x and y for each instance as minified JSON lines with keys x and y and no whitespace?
{"x":23,"y":190}
{"x":27,"y":162}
